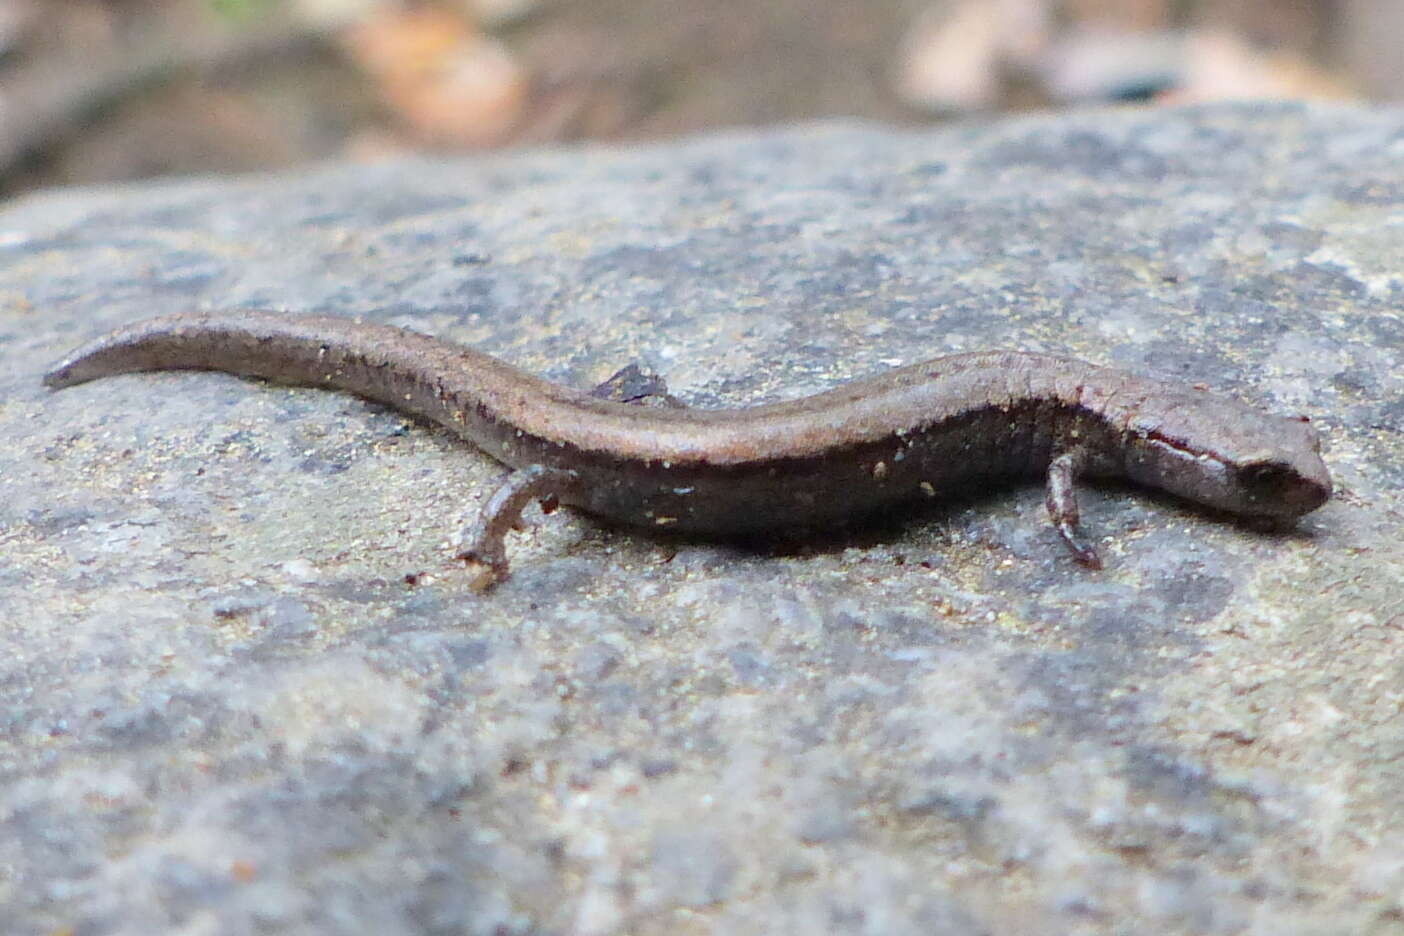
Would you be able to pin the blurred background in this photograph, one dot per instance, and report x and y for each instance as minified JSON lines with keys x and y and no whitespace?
{"x":104,"y":90}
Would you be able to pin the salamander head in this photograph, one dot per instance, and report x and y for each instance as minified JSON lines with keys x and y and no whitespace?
{"x":1229,"y":457}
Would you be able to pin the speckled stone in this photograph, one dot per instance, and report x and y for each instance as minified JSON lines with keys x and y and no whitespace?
{"x":244,"y":690}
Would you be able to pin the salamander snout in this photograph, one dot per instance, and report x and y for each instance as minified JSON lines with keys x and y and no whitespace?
{"x":1284,"y":488}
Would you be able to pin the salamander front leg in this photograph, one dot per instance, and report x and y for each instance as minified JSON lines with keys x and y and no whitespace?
{"x":485,"y":541}
{"x":1062,"y":507}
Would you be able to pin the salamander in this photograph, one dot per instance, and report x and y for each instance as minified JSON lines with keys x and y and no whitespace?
{"x":915,"y":432}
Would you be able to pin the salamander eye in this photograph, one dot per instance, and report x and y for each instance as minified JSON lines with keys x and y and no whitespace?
{"x":1281,"y":489}
{"x":1266,"y":475}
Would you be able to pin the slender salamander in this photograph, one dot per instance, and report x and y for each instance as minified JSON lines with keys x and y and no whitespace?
{"x":914,"y":432}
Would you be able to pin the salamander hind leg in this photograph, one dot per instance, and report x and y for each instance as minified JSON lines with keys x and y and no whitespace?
{"x":1062,"y":507}
{"x":485,"y":541}
{"x":634,"y":385}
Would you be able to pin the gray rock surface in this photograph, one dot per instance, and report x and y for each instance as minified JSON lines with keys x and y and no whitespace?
{"x":225,"y":709}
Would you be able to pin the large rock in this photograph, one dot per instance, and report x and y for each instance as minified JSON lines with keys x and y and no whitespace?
{"x":228,"y":706}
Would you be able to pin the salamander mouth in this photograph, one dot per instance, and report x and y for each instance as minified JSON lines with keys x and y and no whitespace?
{"x":1307,"y":495}
{"x":1292,"y":498}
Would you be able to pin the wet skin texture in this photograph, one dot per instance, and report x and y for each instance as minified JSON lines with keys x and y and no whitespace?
{"x":917,"y":432}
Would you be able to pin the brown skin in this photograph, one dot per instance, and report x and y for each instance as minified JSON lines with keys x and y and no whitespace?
{"x":918,"y":431}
